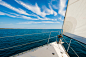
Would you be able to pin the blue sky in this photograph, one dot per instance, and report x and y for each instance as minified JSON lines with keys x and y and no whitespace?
{"x":32,"y":14}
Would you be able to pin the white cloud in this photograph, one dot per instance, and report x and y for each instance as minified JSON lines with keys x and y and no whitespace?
{"x":61,"y":19}
{"x":36,"y":9}
{"x":10,"y":15}
{"x":45,"y":18}
{"x":21,"y":16}
{"x":13,"y":8}
{"x":49,"y":11}
{"x":55,"y":7}
{"x":14,"y":14}
{"x":25,"y":17}
{"x":1,"y":13}
{"x":28,"y":18}
{"x":38,"y":18}
{"x":62,"y":6}
{"x":37,"y":22}
{"x":17,"y":16}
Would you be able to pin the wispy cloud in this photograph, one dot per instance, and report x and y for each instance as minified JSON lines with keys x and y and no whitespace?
{"x":24,"y":17}
{"x":36,"y":9}
{"x":10,"y":15}
{"x":62,"y":6}
{"x":28,"y":18}
{"x":60,"y":19}
{"x":45,"y":18}
{"x":38,"y":18}
{"x":19,"y":10}
{"x":49,"y":11}
{"x":18,"y":16}
{"x":55,"y":6}
{"x":14,"y":14}
{"x":32,"y":22}
{"x":1,"y":13}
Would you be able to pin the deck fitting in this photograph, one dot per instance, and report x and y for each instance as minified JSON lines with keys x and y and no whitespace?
{"x":53,"y":53}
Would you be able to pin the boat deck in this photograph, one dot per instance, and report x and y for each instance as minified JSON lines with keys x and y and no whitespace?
{"x":50,"y":50}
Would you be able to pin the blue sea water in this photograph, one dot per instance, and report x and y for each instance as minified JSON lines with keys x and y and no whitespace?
{"x":19,"y":40}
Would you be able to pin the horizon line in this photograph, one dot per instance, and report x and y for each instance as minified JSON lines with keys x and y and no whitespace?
{"x":28,"y":28}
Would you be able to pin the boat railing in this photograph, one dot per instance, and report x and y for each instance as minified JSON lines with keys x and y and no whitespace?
{"x":30,"y":42}
{"x":24,"y":34}
{"x":71,"y":47}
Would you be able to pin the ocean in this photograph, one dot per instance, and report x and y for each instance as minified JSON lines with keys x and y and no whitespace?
{"x":7,"y":42}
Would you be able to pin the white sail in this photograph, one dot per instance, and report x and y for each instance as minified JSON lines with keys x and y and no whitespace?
{"x":75,"y":20}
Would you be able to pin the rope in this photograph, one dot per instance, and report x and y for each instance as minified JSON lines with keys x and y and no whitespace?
{"x":24,"y":34}
{"x":69,"y":45}
{"x":71,"y":48}
{"x":23,"y":44}
{"x":54,"y":31}
{"x":81,"y":44}
{"x":26,"y":43}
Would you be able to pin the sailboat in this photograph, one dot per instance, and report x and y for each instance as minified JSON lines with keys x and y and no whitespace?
{"x":74,"y":27}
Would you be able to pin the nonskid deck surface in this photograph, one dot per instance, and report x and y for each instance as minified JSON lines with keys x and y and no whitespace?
{"x":50,"y":50}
